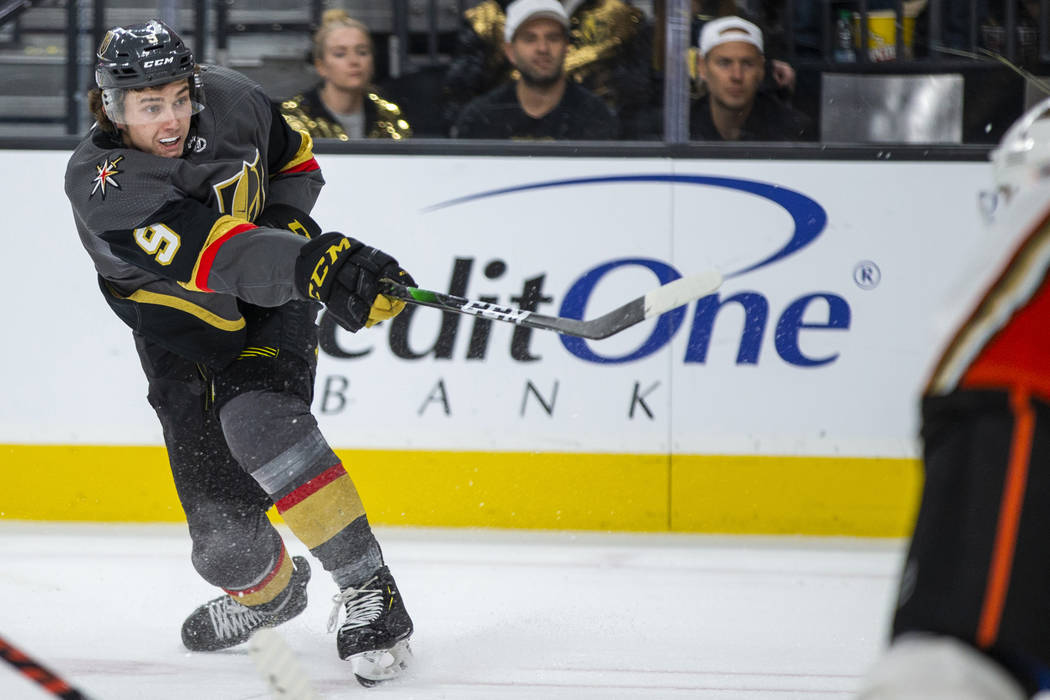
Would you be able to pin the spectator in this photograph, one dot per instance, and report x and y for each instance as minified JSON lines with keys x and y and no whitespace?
{"x":542,"y":103}
{"x":780,"y":75}
{"x":731,"y":62}
{"x":345,"y":104}
{"x":610,"y":53}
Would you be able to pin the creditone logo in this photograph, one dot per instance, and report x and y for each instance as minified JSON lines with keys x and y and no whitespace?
{"x":808,"y":216}
{"x":809,"y":220}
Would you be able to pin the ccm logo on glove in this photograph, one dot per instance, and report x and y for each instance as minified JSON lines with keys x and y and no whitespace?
{"x":344,"y":274}
{"x":324,"y":264}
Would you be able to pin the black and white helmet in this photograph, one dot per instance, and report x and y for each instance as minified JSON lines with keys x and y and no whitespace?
{"x":142,"y":56}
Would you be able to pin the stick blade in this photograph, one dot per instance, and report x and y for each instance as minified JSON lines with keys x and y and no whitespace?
{"x":279,"y":667}
{"x":681,"y":291}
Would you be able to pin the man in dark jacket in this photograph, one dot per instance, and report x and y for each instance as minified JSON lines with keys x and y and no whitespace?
{"x":731,"y":63}
{"x":610,"y":53}
{"x":543,"y":103}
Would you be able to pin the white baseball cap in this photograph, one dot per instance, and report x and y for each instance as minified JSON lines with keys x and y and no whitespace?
{"x":521,"y":11}
{"x":725,"y":29}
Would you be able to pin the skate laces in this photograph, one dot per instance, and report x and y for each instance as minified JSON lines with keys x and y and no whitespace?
{"x":363,"y":606}
{"x":229,"y":618}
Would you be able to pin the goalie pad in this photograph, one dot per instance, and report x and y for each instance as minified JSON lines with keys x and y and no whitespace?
{"x":920,"y":667}
{"x":978,"y":566}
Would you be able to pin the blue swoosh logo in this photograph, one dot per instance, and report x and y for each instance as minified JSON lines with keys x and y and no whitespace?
{"x":808,"y":216}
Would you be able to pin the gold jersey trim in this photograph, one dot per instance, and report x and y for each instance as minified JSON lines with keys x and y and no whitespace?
{"x":142,"y":296}
{"x":305,"y":152}
{"x":222,"y":226}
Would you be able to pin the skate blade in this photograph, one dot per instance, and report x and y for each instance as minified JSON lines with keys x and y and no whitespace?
{"x":372,"y":667}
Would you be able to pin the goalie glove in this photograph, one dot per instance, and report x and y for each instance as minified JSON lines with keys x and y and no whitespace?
{"x":344,"y":274}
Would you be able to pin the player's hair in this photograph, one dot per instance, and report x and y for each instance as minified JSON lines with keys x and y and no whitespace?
{"x":335,"y":19}
{"x":94,"y":101}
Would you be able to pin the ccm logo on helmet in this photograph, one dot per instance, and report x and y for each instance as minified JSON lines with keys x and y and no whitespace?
{"x":158,"y":62}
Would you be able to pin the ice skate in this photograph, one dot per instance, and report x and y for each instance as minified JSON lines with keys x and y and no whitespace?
{"x":374,"y":635}
{"x":223,"y":622}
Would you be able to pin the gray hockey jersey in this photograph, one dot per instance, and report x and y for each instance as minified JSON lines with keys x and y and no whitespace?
{"x":177,"y":242}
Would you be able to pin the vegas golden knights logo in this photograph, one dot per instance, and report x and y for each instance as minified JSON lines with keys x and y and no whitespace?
{"x":242,"y":195}
{"x":105,"y":44}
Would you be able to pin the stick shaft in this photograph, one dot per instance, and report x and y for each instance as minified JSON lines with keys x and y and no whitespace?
{"x":38,"y":673}
{"x":661,"y":300}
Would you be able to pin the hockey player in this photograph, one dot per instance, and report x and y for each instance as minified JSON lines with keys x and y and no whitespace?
{"x":972,"y":620}
{"x":191,"y":195}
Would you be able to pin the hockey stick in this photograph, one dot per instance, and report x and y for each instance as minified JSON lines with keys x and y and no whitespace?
{"x":37,"y":672}
{"x":282,"y":672}
{"x":659,"y":301}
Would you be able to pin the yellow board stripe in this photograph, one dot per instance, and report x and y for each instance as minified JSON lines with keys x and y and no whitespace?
{"x":864,"y":497}
{"x":867,"y":497}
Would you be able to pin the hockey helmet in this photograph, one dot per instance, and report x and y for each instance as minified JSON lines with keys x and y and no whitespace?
{"x":141,"y":56}
{"x":1022,"y":158}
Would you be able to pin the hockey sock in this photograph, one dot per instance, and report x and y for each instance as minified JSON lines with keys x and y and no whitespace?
{"x":275,"y":437}
{"x":268,"y":592}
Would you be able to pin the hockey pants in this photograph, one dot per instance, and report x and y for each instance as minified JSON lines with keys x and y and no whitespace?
{"x":241,"y":439}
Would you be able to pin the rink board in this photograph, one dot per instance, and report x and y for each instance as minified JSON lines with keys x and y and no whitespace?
{"x":551,"y":491}
{"x":785,"y":402}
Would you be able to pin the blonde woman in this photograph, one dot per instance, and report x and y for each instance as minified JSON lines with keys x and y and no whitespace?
{"x":344,"y":105}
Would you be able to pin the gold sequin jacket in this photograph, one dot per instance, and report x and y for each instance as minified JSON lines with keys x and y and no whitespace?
{"x":306,"y":112}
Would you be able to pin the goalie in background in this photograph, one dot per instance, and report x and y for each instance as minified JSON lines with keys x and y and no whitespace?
{"x":192,"y":195}
{"x":972,"y":620}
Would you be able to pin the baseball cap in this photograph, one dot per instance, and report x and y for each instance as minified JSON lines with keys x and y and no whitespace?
{"x":725,"y":29}
{"x":521,"y":11}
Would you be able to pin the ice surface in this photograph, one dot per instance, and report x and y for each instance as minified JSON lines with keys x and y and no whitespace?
{"x":498,"y":614}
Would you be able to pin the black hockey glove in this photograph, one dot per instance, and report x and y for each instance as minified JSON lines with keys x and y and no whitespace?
{"x":344,"y":274}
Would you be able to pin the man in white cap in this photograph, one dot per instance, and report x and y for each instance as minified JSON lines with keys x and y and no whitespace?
{"x":542,"y":103}
{"x":731,"y":62}
{"x":610,"y":53}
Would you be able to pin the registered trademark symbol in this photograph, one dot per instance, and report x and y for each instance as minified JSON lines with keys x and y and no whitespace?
{"x":867,"y":274}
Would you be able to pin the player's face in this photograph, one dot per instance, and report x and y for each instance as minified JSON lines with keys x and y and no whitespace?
{"x":733,"y":72}
{"x":347,"y":63}
{"x":538,"y":51}
{"x":157,"y":120}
